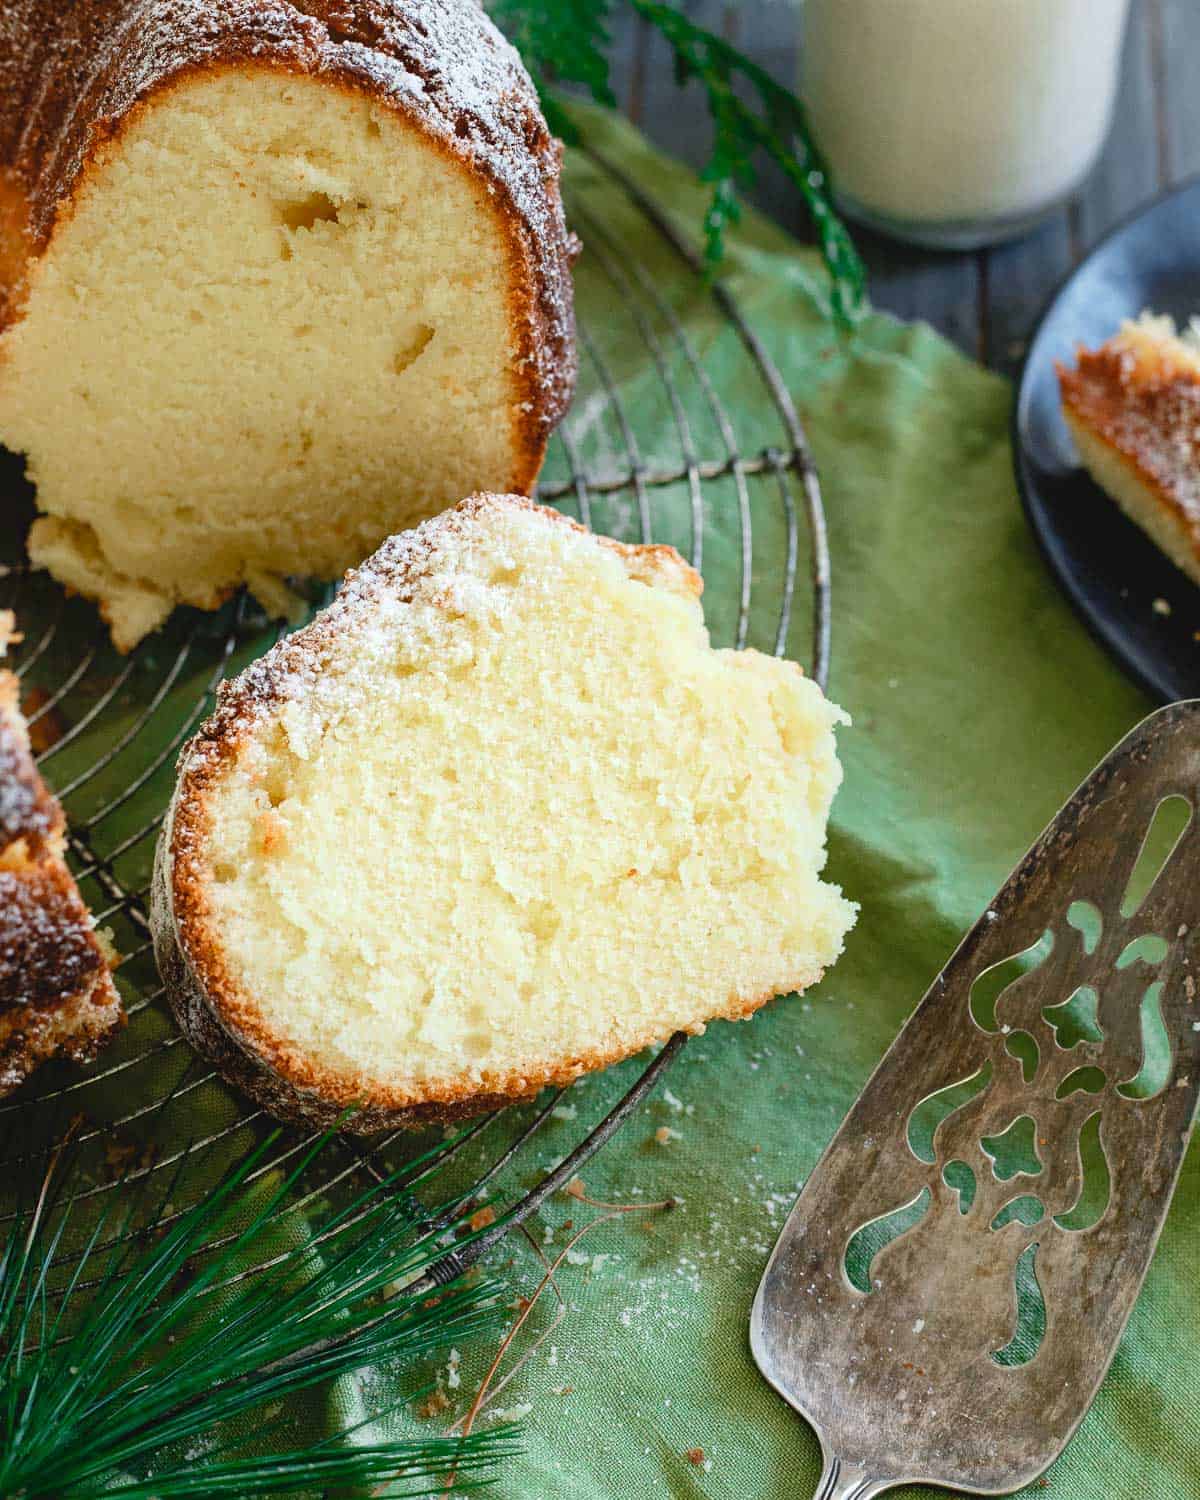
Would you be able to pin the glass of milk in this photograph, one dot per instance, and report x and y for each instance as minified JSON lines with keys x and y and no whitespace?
{"x":956,"y":123}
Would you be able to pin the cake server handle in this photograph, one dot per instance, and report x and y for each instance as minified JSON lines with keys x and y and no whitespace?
{"x":843,"y":1481}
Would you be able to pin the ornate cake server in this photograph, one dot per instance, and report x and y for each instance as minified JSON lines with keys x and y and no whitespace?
{"x":952,"y":1283}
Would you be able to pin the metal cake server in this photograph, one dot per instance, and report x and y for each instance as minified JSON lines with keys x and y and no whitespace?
{"x":951,"y":1285}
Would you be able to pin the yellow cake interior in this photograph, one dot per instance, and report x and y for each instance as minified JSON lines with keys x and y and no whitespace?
{"x":272,"y":329}
{"x":528,"y":816}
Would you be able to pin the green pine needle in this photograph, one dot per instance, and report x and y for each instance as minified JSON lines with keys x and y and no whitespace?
{"x":565,"y":42}
{"x":561,"y":40}
{"x":112,"y":1352}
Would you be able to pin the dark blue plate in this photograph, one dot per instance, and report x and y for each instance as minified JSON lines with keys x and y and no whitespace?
{"x":1111,"y":572}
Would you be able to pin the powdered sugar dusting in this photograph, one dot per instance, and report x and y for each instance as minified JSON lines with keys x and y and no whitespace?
{"x":69,"y":74}
{"x":1140,"y":392}
{"x":381,"y":603}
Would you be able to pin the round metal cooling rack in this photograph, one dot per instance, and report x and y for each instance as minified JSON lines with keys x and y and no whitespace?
{"x":654,"y":449}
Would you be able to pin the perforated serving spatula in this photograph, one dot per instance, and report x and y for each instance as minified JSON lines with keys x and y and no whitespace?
{"x":951,"y":1285}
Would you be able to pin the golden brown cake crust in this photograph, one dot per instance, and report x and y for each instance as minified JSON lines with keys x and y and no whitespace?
{"x":56,"y":992}
{"x":72,"y":72}
{"x":1143,"y":403}
{"x":218,"y":1018}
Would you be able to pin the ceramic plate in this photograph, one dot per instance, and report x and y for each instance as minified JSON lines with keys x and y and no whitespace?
{"x":1139,"y":605}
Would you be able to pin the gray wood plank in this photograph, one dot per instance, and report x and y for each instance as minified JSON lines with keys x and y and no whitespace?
{"x":940,"y":289}
{"x":625,"y":32}
{"x":1133,"y":167}
{"x":769,"y":33}
{"x":1017,"y":280}
{"x":677,"y":119}
{"x":1180,"y":32}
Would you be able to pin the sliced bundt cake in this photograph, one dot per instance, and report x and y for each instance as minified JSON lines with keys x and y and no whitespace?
{"x":1133,"y":407}
{"x":276,"y":280}
{"x":500,"y":815}
{"x":56,"y":992}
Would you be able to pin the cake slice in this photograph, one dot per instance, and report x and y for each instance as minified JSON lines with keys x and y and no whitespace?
{"x":499,"y":816}
{"x":1133,"y":408}
{"x":276,"y":281}
{"x":56,"y":991}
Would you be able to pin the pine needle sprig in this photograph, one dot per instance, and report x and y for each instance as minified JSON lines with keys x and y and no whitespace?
{"x":170,"y":1342}
{"x":565,"y":42}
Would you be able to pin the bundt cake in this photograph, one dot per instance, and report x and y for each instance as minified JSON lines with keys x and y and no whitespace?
{"x":56,"y":991}
{"x":499,"y":816}
{"x":1133,"y":408}
{"x":277,"y":279}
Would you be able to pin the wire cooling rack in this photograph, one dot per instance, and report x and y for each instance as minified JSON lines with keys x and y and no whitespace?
{"x":658,"y":447}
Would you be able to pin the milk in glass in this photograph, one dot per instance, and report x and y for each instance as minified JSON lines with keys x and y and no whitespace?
{"x":957,"y":122}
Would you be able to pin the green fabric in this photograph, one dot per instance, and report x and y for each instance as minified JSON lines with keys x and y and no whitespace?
{"x":979,"y":703}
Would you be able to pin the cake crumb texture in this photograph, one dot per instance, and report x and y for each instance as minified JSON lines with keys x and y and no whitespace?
{"x":500,"y":815}
{"x":276,"y":281}
{"x":1133,"y":409}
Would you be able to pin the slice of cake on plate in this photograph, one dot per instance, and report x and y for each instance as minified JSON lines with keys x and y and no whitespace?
{"x":276,"y":281}
{"x":499,"y":816}
{"x":56,"y":991}
{"x":1133,"y":408}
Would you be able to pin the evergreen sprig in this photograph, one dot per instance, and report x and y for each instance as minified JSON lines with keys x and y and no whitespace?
{"x":148,"y":1338}
{"x":566,"y":41}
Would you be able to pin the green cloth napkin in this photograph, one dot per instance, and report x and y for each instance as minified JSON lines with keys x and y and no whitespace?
{"x":979,"y":703}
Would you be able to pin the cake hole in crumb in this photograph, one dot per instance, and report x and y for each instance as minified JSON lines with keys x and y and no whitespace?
{"x":317,"y":208}
{"x":407,"y":356}
{"x":224,"y":872}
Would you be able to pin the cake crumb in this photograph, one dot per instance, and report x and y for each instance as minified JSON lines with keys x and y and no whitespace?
{"x":1161,"y":607}
{"x":575,"y":1188}
{"x":272,"y":834}
{"x":482,"y":1217}
{"x":509,"y":1413}
{"x":695,"y":1456}
{"x":664,"y":1134}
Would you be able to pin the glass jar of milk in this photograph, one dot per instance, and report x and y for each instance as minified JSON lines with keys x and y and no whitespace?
{"x":956,"y":123}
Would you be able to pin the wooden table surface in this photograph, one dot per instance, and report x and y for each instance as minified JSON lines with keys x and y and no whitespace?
{"x":985,"y":301}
